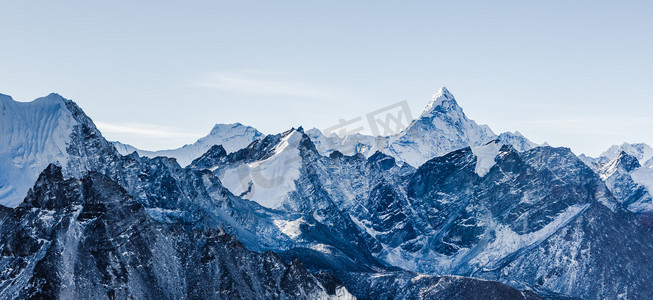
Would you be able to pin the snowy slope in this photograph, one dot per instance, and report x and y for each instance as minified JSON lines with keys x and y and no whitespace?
{"x":32,"y":135}
{"x":486,"y":156}
{"x":268,"y":181}
{"x":232,"y":137}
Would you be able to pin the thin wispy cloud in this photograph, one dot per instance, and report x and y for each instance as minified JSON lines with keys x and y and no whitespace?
{"x":261,"y":83}
{"x":143,"y":130}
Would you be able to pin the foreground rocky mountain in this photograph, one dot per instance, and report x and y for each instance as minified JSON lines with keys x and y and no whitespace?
{"x":83,"y":239}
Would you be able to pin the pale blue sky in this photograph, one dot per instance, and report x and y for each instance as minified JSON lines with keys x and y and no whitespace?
{"x":159,"y":74}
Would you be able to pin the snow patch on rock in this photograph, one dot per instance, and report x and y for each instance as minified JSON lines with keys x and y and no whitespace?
{"x":486,"y":157}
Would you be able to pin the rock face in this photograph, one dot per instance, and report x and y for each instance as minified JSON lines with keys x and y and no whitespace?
{"x":82,"y":239}
{"x":405,"y":285}
{"x":540,"y":217}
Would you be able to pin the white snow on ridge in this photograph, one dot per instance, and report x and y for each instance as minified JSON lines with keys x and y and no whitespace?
{"x":290,"y":228}
{"x":32,"y":135}
{"x":268,"y":181}
{"x":486,"y":157}
{"x":232,"y":137}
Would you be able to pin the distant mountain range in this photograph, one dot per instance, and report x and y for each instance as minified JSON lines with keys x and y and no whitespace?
{"x":232,"y":137}
{"x":445,"y":209}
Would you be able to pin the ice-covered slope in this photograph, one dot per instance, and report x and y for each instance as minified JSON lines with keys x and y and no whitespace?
{"x":232,"y":137}
{"x":268,"y":181}
{"x":440,"y":129}
{"x":486,"y":156}
{"x":32,"y":135}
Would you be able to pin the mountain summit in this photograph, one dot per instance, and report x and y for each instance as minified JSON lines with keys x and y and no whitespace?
{"x":440,"y":129}
{"x":441,"y":98}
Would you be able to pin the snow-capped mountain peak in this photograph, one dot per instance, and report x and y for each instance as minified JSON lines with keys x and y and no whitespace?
{"x":442,"y":98}
{"x":442,"y":128}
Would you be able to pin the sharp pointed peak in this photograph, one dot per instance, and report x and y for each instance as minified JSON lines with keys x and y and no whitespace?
{"x":441,"y":98}
{"x":443,"y":91}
